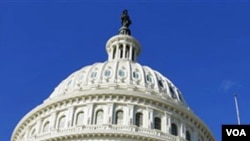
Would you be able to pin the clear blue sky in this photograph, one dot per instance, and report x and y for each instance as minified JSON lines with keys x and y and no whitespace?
{"x":203,"y":47}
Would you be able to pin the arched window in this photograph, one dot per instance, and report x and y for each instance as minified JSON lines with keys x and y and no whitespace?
{"x":136,"y":75}
{"x":157,"y":123}
{"x":33,"y":131}
{"x":79,"y":118}
{"x":138,"y":119}
{"x":174,"y":129}
{"x":99,"y":117}
{"x":46,"y":127}
{"x":160,"y":82}
{"x":121,"y":73}
{"x":119,"y":117}
{"x":61,"y":123}
{"x":107,"y":72}
{"x":188,"y":136}
{"x":93,"y":74}
{"x":149,"y":78}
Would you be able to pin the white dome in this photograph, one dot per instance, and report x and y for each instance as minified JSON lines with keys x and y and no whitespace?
{"x":117,"y":100}
{"x":121,"y":75}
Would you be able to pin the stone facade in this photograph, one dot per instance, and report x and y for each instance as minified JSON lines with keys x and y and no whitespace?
{"x":116,"y":100}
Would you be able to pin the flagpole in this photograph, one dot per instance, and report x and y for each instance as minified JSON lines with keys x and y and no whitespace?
{"x":237,"y":109}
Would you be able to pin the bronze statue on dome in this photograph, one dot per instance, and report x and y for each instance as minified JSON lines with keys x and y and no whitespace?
{"x":125,"y":20}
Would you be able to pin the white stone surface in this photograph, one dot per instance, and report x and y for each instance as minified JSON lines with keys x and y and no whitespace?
{"x":117,"y":100}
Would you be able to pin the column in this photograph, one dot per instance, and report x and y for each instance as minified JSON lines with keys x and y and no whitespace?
{"x":130,"y":52}
{"x":53,"y":120}
{"x":134,"y":55}
{"x":182,"y":130}
{"x":85,"y":118}
{"x":111,"y":53}
{"x":165,"y":123}
{"x":117,"y":51}
{"x":29,"y":131}
{"x":38,"y":125}
{"x":131,"y":115}
{"x":90,"y":113}
{"x":124,"y":51}
{"x":148,"y":118}
{"x":106,"y":114}
{"x":125,"y":117}
{"x":110,"y":107}
{"x":168,"y":124}
{"x":26,"y":133}
{"x":194,"y":136}
{"x":70,"y":116}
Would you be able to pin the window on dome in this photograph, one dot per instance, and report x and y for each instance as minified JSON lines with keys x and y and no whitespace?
{"x":46,"y":127}
{"x":136,"y":75}
{"x":157,"y":123}
{"x":172,"y":92}
{"x":138,"y":119}
{"x":174,"y":129}
{"x":79,"y":118}
{"x":107,"y":72}
{"x":61,"y":123}
{"x":121,"y":73}
{"x":93,"y":74}
{"x":188,"y":136}
{"x":179,"y":94}
{"x":119,"y":117}
{"x":99,"y":117}
{"x":160,"y":83}
{"x":149,"y":78}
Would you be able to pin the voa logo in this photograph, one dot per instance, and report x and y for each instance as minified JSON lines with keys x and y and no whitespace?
{"x":236,"y":132}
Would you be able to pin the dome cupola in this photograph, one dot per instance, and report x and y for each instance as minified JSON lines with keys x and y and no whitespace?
{"x":123,"y":46}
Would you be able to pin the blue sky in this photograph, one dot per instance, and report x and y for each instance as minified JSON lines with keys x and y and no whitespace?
{"x":203,"y":47}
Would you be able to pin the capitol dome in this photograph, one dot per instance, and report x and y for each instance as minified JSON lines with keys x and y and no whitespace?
{"x":115,"y":100}
{"x":120,"y":73}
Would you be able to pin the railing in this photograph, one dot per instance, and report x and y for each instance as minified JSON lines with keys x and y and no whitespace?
{"x":108,"y":128}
